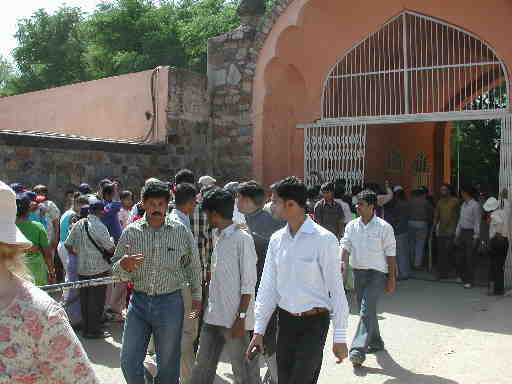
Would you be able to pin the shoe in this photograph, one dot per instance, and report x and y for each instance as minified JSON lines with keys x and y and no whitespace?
{"x":468,"y":286}
{"x":150,"y":365}
{"x":357,"y":361}
{"x":96,"y":335}
{"x":375,"y":349}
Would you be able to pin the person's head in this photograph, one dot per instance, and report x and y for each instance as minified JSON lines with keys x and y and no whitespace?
{"x":126,"y":199}
{"x":102,"y":183}
{"x":356,"y":190}
{"x":468,"y":192}
{"x":219,"y":205}
{"x":85,"y":189}
{"x":446,"y":190}
{"x":70,"y":195}
{"x":17,"y":187}
{"x":41,"y":190}
{"x":155,"y":200}
{"x":313,"y":192}
{"x":339,"y":189}
{"x":185,"y":176}
{"x":232,"y":187}
{"x":22,"y":206}
{"x":97,"y":208}
{"x":366,"y":203}
{"x":327,"y":191}
{"x":107,"y":192}
{"x":185,"y":197}
{"x":289,"y":198}
{"x":206,"y":182}
{"x":79,"y":202}
{"x":491,"y":205}
{"x":13,"y":243}
{"x":251,"y":196}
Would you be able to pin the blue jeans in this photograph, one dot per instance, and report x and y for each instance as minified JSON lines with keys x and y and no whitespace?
{"x":402,"y":256}
{"x":161,"y":316}
{"x":418,"y":233}
{"x":369,"y":285}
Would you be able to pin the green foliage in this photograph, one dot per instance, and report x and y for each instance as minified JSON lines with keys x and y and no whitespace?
{"x":50,"y":49}
{"x":479,"y":144}
{"x":6,"y":77}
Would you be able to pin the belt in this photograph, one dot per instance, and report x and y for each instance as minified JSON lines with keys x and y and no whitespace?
{"x":311,"y":312}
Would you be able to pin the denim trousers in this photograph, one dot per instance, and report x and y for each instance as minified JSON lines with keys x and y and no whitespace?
{"x":162,"y":316}
{"x":402,"y":256}
{"x":213,"y":340}
{"x":369,"y":285}
{"x":418,"y":233}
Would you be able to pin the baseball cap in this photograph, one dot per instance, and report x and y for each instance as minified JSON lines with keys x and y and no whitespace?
{"x":84,"y":188}
{"x":96,"y":204}
{"x":17,"y":187}
{"x":397,"y":188}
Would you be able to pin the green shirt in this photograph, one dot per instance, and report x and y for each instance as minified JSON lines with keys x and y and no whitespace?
{"x":36,"y":234}
{"x":447,"y":214}
{"x":171,"y":258}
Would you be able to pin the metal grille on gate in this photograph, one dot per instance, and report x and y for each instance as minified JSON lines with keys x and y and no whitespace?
{"x":335,"y":152}
{"x":506,"y":182}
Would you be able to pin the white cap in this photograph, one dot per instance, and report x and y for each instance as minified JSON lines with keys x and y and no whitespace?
{"x":207,"y":181}
{"x":397,"y":188}
{"x":491,"y":204}
{"x":9,"y":232}
{"x":232,"y":186}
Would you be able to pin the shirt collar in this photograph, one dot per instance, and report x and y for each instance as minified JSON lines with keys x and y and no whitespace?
{"x":144,"y":221}
{"x":307,"y":227}
{"x":255,"y":213}
{"x":373,"y":220}
{"x":227,"y":231}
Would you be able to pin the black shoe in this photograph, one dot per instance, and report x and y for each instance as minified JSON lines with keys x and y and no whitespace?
{"x":96,"y":335}
{"x":375,"y":348}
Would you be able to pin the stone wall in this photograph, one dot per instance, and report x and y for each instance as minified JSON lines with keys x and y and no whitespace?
{"x":64,"y":162}
{"x":232,"y":61}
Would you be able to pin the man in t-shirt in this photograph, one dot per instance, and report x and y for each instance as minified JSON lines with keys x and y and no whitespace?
{"x":328,"y":213}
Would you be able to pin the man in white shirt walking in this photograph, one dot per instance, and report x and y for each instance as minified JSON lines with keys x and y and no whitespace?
{"x":302,"y":278}
{"x":230,"y":311}
{"x":370,"y":247}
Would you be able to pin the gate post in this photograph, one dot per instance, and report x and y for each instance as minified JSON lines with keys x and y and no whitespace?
{"x":506,"y":182}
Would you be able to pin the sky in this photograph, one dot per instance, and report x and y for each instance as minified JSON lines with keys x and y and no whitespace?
{"x":19,"y":9}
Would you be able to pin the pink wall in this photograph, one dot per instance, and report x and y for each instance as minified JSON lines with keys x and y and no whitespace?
{"x":111,"y":108}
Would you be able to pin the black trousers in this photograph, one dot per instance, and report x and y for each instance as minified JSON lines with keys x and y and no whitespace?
{"x":300,"y":347}
{"x":92,"y":304}
{"x":445,"y":256}
{"x":466,"y":256}
{"x":498,"y":249}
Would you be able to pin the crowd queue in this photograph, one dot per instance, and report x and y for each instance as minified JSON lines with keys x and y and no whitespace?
{"x":204,"y":269}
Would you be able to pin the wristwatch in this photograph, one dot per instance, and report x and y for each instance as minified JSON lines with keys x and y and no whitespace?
{"x":242,"y":315}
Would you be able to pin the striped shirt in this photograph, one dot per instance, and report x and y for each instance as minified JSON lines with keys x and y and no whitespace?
{"x":180,"y":217}
{"x":171,"y":261}
{"x":203,"y":235}
{"x":233,"y":275}
{"x":90,"y":260}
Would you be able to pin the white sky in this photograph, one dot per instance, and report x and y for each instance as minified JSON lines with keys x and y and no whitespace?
{"x":18,"y":9}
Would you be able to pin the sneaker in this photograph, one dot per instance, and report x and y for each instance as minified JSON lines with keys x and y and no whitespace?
{"x":375,"y":348}
{"x":459,"y":280}
{"x":468,"y":286}
{"x":357,"y":361}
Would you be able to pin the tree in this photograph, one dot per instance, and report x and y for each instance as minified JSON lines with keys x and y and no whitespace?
{"x":50,"y":50}
{"x":7,"y":75}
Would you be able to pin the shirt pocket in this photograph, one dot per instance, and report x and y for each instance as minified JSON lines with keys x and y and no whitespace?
{"x":374,"y":242}
{"x":306,"y":273}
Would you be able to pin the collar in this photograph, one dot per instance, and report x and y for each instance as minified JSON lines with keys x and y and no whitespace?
{"x":331,"y":203}
{"x":228,"y":230}
{"x":144,"y":221}
{"x":373,"y":220}
{"x":307,"y":227}
{"x":255,"y":213}
{"x":180,"y":213}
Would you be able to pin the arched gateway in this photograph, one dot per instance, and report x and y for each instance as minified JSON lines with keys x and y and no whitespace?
{"x":414,"y":69}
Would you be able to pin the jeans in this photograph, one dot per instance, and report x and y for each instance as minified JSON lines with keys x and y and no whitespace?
{"x":92,"y":303}
{"x":300,"y":347}
{"x":466,"y":255}
{"x":402,"y":256}
{"x":72,"y":295}
{"x":188,"y":355}
{"x":418,"y":233}
{"x":212,"y":341}
{"x":498,"y":247}
{"x":369,"y":286}
{"x":161,"y":316}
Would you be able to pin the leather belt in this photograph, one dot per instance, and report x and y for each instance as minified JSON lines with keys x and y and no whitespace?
{"x":311,"y":312}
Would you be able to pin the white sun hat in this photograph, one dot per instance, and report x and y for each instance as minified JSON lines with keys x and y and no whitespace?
{"x":9,"y":232}
{"x":491,"y":204}
{"x":207,"y":181}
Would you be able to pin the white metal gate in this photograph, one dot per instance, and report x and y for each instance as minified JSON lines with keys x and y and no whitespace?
{"x":506,"y":182}
{"x":335,"y":152}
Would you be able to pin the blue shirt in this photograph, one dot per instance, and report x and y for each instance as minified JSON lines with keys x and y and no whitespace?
{"x":64,"y":224}
{"x":33,"y":216}
{"x":111,"y":219}
{"x":180,"y":217}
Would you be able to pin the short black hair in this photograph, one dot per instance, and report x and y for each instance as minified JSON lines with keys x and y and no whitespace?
{"x":470,"y":190}
{"x":104,"y":182}
{"x":126,"y":195}
{"x":82,"y":200}
{"x":253,"y":191}
{"x":219,"y":201}
{"x":292,"y":188}
{"x":184,"y":193}
{"x":107,"y":189}
{"x":156,"y":190}
{"x":450,"y":188}
{"x":22,"y":207}
{"x":313,"y":191}
{"x":369,"y":196}
{"x":185,"y":176}
{"x":327,"y":187}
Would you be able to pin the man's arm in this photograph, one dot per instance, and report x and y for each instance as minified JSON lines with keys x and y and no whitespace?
{"x":193,"y":268}
{"x":389,"y":242}
{"x":346,"y":248}
{"x":478,"y":219}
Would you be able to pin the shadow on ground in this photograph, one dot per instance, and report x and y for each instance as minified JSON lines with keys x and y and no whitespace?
{"x":399,"y":374}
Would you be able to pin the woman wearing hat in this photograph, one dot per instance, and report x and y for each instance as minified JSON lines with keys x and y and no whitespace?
{"x":498,"y":219}
{"x":37,"y":344}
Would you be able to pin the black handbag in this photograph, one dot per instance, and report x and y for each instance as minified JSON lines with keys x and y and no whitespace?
{"x":106,"y":254}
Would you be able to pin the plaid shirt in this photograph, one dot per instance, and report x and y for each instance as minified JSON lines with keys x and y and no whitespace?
{"x":203,"y":235}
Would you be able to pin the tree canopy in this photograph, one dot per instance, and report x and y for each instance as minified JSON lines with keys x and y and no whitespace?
{"x":120,"y":36}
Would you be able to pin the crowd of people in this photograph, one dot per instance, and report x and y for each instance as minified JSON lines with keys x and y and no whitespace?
{"x":201,"y":269}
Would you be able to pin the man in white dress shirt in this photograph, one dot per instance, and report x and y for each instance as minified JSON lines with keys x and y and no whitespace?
{"x":302,"y":278}
{"x":370,"y":247}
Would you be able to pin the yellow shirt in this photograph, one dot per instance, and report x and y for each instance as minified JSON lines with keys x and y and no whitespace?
{"x":447,"y":214}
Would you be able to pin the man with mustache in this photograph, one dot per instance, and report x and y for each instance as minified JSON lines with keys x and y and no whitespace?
{"x":160,"y":257}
